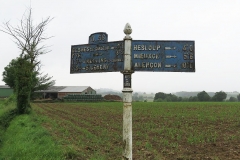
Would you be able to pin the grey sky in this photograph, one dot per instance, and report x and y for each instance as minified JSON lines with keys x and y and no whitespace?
{"x":213,"y":25}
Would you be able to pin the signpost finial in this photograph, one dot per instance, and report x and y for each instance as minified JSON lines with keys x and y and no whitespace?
{"x":127,"y":30}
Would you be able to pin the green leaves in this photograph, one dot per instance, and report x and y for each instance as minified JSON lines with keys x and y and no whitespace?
{"x":219,"y":96}
{"x":203,"y":96}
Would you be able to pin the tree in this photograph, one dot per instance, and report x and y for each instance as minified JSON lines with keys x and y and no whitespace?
{"x":232,"y":99}
{"x":28,"y":38}
{"x":159,"y":95}
{"x":219,"y":96}
{"x":180,"y":99}
{"x":23,"y":85}
{"x":39,"y":81}
{"x":193,"y":99}
{"x":9,"y":74}
{"x":203,"y":96}
{"x":238,"y":97}
{"x":171,"y":98}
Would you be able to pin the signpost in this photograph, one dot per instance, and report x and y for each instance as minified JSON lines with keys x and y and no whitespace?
{"x":103,"y":57}
{"x":163,"y":56}
{"x":128,"y":56}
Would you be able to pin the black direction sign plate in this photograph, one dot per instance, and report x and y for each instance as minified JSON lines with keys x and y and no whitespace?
{"x":101,"y":57}
{"x":163,"y":56}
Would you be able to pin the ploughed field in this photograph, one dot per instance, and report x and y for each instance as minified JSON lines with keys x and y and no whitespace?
{"x":177,"y":131}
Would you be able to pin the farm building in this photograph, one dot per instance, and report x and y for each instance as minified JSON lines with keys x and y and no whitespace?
{"x":61,"y":91}
{"x":5,"y":91}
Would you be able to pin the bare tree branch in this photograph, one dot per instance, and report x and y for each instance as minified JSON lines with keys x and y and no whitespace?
{"x":28,"y":37}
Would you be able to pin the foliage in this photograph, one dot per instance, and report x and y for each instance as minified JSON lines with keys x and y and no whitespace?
{"x":193,"y":99}
{"x":160,"y":96}
{"x":233,"y":99}
{"x":23,"y":85}
{"x":9,"y":74}
{"x":11,"y":99}
{"x":39,"y":81}
{"x":28,"y":38}
{"x":6,"y":117}
{"x":238,"y":97}
{"x":7,"y":113}
{"x":203,"y":96}
{"x":219,"y":96}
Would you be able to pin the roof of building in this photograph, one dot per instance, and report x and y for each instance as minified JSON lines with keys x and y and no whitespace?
{"x":56,"y":88}
{"x":52,"y":89}
{"x":74,"y":89}
{"x":4,"y":86}
{"x":64,"y":89}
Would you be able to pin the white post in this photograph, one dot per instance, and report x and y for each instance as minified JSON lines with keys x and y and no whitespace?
{"x":127,"y":96}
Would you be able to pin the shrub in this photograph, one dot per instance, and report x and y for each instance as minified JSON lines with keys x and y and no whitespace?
{"x":10,"y":99}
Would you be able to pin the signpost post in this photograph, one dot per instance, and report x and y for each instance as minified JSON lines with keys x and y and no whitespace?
{"x":127,"y":96}
{"x":128,"y":56}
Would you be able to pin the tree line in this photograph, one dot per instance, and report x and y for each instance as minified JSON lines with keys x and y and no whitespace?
{"x":201,"y":97}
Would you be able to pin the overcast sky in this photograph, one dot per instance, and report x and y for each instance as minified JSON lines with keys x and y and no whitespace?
{"x":213,"y":25}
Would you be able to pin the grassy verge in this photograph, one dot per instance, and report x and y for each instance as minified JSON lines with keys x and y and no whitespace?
{"x":25,"y":138}
{"x":5,"y":107}
{"x":7,"y":113}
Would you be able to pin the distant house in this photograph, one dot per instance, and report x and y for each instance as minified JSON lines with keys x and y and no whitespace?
{"x":5,"y":91}
{"x":61,"y":91}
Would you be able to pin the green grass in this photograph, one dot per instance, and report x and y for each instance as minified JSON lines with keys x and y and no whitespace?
{"x":93,"y":131}
{"x":5,"y":108}
{"x":7,"y":113}
{"x":26,"y":139}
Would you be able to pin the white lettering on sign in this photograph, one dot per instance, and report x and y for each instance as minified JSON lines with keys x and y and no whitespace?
{"x":146,"y":56}
{"x":146,"y":47}
{"x":147,"y":65}
{"x":100,"y":37}
{"x":96,"y":67}
{"x":98,"y":48}
{"x":95,"y":64}
{"x":187,"y":65}
{"x":78,"y":55}
{"x":102,"y":48}
{"x":188,"y":56}
{"x":116,"y":60}
{"x":99,"y":60}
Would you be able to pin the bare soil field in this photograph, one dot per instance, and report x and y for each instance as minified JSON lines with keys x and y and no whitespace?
{"x":168,"y":131}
